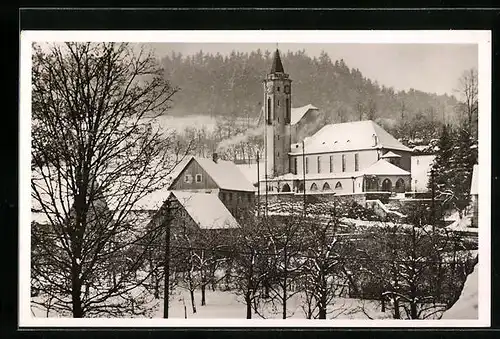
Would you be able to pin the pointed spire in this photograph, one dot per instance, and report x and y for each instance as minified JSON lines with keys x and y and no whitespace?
{"x":277,"y":65}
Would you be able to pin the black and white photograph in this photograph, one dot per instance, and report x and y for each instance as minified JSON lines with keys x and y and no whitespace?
{"x":255,"y":178}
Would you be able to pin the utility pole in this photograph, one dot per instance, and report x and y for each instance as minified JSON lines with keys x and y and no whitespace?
{"x":258,"y":185}
{"x":166,"y":267}
{"x":304,"y":174}
{"x":432,"y":200}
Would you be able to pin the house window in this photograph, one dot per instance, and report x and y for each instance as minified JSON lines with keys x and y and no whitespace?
{"x":198,"y":178}
{"x":338,"y":185}
{"x":307,"y":165}
{"x":331,"y":163}
{"x":278,"y":89}
{"x":278,"y":135}
{"x":188,"y":178}
{"x":418,"y":162}
{"x":356,"y":162}
{"x":278,"y":102}
{"x":343,"y":162}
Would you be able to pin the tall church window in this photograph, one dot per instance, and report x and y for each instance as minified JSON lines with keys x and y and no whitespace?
{"x":307,"y":165}
{"x":287,"y":109}
{"x":318,"y":160}
{"x":331,"y":163}
{"x":269,"y":113}
{"x":356,"y":162}
{"x":343,"y":162}
{"x":295,"y":164}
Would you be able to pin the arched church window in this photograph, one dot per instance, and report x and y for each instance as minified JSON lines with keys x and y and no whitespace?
{"x":326,"y":187}
{"x":338,"y":185}
{"x":269,"y":113}
{"x":314,"y":187}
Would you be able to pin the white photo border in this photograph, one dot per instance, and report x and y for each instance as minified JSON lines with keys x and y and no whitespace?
{"x":480,"y":37}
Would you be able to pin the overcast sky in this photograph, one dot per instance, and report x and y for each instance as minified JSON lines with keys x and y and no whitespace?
{"x":433,"y":68}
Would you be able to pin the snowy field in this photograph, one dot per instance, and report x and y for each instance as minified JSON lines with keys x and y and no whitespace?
{"x":227,"y":305}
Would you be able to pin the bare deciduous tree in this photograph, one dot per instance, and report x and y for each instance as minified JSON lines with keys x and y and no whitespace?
{"x":468,"y":94}
{"x":96,"y":153}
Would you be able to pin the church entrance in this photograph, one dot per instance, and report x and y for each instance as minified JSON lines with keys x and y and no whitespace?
{"x":400,"y":186}
{"x":386,"y":185}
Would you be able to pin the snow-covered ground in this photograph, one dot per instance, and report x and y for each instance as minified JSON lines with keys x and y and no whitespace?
{"x":462,"y":225}
{"x":467,"y":304}
{"x":228,"y":305}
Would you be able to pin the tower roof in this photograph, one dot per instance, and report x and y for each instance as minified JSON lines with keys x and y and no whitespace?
{"x":277,"y":65}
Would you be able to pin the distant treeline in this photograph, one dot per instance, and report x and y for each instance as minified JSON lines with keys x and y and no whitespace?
{"x":231,"y":85}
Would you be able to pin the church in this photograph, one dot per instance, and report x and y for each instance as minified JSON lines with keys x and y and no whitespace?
{"x":345,"y":158}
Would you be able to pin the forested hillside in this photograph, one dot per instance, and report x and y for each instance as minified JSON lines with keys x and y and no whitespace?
{"x":219,"y":85}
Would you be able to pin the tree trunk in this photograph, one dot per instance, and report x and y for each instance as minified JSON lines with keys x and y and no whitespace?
{"x":191,"y":292}
{"x":248,"y":301}
{"x":413,"y":310}
{"x":322,"y":300}
{"x":203,"y":288}
{"x":76,"y":295}
{"x":397,"y":315}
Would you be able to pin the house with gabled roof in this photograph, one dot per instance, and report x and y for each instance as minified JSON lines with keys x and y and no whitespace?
{"x":221,"y":178}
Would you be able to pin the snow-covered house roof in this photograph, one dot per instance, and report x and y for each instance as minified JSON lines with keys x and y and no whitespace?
{"x":298,"y":113}
{"x":474,"y":181}
{"x":390,"y":154}
{"x":382,"y":167}
{"x":206,"y":210}
{"x":250,"y":171}
{"x":349,"y":136}
{"x":225,"y":174}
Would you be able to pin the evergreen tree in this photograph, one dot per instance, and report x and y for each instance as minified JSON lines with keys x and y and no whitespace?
{"x":441,"y":166}
{"x":462,"y":161}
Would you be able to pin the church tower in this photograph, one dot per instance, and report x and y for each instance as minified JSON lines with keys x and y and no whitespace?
{"x":277,"y":111}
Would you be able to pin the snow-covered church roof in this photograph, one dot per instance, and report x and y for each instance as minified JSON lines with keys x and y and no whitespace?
{"x":298,"y":113}
{"x":383,"y":167}
{"x":350,"y":136}
{"x":390,"y":154}
{"x":206,"y":210}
